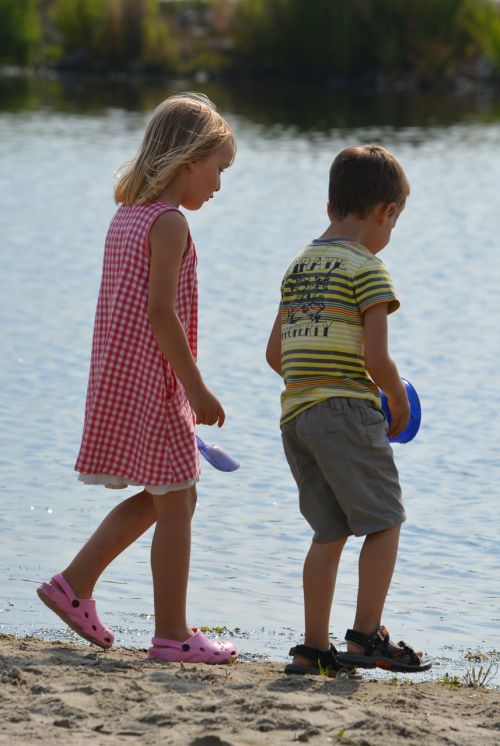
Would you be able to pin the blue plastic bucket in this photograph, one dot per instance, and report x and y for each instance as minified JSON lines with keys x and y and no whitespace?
{"x":415,"y":414}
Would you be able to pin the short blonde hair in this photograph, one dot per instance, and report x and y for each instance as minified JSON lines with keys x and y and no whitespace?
{"x":183,"y":128}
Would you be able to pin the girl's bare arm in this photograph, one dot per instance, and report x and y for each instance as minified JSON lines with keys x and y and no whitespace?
{"x":168,"y":240}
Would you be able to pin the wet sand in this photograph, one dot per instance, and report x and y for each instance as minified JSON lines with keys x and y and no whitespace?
{"x":54,"y":692}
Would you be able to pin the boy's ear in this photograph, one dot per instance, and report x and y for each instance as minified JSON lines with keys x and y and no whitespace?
{"x":386,"y":211}
{"x":392,"y":210}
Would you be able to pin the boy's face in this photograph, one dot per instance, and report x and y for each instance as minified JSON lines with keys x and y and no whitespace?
{"x":383,"y":218}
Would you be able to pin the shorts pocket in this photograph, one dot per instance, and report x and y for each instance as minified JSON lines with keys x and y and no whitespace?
{"x":372,"y":416}
{"x":320,"y":420}
{"x":375,"y":426}
{"x":291,"y":457}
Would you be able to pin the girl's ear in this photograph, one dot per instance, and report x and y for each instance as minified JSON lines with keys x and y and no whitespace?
{"x":190,"y":166}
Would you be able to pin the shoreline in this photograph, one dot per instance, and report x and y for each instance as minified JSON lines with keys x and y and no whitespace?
{"x":459,"y":83}
{"x":59,"y":691}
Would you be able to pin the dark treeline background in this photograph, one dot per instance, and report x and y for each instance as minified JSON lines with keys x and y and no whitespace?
{"x":336,"y":40}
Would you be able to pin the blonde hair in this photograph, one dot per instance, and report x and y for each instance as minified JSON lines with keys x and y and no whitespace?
{"x":184,"y":128}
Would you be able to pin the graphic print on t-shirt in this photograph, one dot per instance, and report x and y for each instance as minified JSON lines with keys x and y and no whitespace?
{"x":324,"y":294}
{"x":308,"y":292}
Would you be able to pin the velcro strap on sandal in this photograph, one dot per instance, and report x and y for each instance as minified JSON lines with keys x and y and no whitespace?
{"x":383,"y":633}
{"x":327,"y":658}
{"x":305,"y":651}
{"x":359,"y":638}
{"x":379,"y":639}
{"x":414,"y":659}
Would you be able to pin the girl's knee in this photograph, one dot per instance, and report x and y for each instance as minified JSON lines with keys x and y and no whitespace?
{"x":175,"y":503}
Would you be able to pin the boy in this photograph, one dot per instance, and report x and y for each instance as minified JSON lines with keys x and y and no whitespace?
{"x":329,"y":342}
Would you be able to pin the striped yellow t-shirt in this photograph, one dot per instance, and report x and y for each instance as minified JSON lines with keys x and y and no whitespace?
{"x":324,"y":293}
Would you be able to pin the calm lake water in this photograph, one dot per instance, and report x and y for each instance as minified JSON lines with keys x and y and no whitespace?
{"x":59,"y":146}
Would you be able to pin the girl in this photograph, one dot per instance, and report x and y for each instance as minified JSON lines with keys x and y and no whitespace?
{"x":145,"y":390}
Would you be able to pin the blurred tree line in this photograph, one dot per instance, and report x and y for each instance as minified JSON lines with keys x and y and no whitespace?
{"x":307,"y":39}
{"x":420,"y":38}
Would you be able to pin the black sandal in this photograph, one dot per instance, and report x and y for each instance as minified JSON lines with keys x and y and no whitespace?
{"x":379,"y":651}
{"x":323,"y":661}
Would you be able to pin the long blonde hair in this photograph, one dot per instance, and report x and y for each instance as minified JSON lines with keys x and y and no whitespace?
{"x":183,"y":128}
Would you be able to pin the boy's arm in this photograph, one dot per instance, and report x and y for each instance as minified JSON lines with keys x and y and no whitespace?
{"x":382,"y":368}
{"x":273,"y":351}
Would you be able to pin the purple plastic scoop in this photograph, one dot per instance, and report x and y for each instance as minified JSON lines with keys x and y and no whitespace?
{"x":216,"y":456}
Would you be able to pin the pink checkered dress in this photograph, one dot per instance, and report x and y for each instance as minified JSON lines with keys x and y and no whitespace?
{"x":139,"y":424}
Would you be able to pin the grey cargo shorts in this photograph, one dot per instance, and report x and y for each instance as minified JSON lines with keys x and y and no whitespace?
{"x":344,"y":467}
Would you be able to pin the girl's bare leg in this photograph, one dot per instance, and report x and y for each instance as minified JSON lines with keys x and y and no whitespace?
{"x":121,"y":527}
{"x":170,"y":557}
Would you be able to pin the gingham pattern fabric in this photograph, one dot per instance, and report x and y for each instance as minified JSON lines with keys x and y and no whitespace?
{"x":138,"y":422}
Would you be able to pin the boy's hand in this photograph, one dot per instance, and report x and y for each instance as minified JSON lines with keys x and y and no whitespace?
{"x":382,"y":369}
{"x":400,"y":413}
{"x":207,"y":407}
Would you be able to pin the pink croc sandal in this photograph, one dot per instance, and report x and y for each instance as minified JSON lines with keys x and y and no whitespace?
{"x":78,"y":613}
{"x":196,"y":649}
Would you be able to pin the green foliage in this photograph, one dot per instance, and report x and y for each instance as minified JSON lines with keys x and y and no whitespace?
{"x":323,"y":671}
{"x":329,"y":38}
{"x":426,"y":36}
{"x":481,"y":676}
{"x":20,"y":31}
{"x":473,"y":677}
{"x":222,"y":630}
{"x":480,"y":20}
{"x":115,"y":33}
{"x":454,"y":682}
{"x":312,"y":40}
{"x":477,"y":656}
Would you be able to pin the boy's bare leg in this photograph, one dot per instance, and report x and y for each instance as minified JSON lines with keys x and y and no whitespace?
{"x":122,"y":526}
{"x":320,"y":574}
{"x":376,"y":566}
{"x":170,"y":556}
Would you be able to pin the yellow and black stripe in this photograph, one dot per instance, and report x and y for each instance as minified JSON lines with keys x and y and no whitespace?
{"x":324,"y":293}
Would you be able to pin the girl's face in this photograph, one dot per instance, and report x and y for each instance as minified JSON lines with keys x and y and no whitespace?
{"x":204,"y":176}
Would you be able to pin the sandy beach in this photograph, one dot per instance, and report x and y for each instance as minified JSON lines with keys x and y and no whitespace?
{"x":54,"y":692}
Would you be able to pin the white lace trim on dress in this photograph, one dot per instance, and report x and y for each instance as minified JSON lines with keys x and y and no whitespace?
{"x":114,"y":482}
